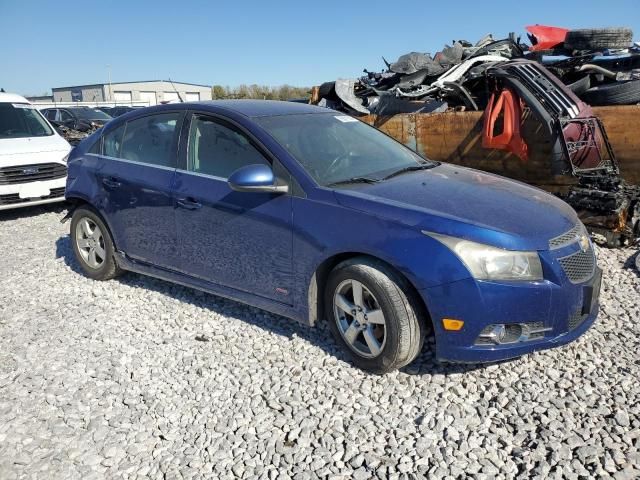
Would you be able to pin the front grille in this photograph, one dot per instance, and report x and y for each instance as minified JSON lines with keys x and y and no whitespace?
{"x":12,"y":198}
{"x":576,"y":319}
{"x":566,"y":238}
{"x":31,"y":173}
{"x":580,"y":266}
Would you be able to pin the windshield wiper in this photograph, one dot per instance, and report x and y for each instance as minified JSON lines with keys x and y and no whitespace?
{"x":354,"y":180}
{"x":412,"y":168}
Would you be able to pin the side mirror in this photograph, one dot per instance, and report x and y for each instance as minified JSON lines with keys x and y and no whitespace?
{"x":255,"y":178}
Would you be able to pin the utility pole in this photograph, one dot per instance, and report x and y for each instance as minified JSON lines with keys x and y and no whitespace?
{"x":110,"y":92}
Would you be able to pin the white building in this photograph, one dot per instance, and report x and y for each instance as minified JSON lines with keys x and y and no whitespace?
{"x":150,"y":92}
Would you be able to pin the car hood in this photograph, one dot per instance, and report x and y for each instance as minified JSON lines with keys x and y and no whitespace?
{"x":16,"y":146}
{"x":466,"y":203}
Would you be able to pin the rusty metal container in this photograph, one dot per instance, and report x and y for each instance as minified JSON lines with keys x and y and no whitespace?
{"x":455,"y":137}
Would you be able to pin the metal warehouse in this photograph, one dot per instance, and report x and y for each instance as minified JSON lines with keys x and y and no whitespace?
{"x":148,"y":92}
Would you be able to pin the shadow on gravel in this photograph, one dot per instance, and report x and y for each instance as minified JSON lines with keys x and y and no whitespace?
{"x":633,"y":263}
{"x":320,"y":336}
{"x":25,"y":212}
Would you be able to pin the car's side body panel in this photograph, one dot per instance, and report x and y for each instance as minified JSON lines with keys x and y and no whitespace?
{"x":138,"y":199}
{"x":239,"y":240}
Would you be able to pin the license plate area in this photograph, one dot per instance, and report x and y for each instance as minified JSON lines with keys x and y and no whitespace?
{"x":34,"y":190}
{"x":592,"y":293}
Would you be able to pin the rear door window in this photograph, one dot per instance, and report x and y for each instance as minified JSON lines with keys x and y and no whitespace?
{"x":152,"y":139}
{"x":217,"y":148}
{"x":112,"y":142}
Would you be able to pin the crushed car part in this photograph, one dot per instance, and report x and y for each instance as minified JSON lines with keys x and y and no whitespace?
{"x":545,"y":38}
{"x":618,"y":93}
{"x":457,"y":72}
{"x":580,"y":86}
{"x":389,"y":104}
{"x":450,"y":55}
{"x":579,"y":140}
{"x":608,"y":206}
{"x":504,"y":106}
{"x":617,"y":76}
{"x":598,"y":38}
{"x":453,"y":89}
{"x":74,"y":137}
{"x":345,"y":89}
{"x":506,"y":48}
{"x":414,"y":79}
{"x":415,"y":61}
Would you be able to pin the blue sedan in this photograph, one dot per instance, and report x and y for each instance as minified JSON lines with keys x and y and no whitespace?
{"x":314,"y":215}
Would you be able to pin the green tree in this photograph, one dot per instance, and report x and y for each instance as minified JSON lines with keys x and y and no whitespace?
{"x":218,"y":92}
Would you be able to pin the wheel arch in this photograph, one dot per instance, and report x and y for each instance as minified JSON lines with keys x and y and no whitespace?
{"x":78,"y":201}
{"x":321,"y":274}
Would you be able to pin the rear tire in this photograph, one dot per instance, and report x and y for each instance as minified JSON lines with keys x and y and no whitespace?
{"x":92,"y":245}
{"x":374,"y":315}
{"x":579,"y":87}
{"x":598,"y":39}
{"x":617,"y":93}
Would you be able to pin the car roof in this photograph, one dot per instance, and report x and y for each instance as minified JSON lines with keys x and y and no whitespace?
{"x":263,"y":108}
{"x":12,"y":98}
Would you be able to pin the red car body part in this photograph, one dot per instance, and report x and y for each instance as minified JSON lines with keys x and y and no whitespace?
{"x":546,"y":37}
{"x":506,"y":104}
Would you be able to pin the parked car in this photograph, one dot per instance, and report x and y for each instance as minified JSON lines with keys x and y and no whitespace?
{"x":33,"y":156}
{"x":77,"y":118}
{"x":117,"y":110}
{"x":312,"y":214}
{"x":121,"y":110}
{"x":106,"y":110}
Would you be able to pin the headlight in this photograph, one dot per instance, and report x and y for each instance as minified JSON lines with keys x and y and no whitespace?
{"x":65,"y":158}
{"x":491,"y":263}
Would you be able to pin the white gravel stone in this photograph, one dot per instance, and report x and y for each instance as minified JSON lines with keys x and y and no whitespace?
{"x":139,"y":378}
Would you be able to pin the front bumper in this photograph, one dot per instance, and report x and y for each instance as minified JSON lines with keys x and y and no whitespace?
{"x":566,"y":310}
{"x":48,"y":191}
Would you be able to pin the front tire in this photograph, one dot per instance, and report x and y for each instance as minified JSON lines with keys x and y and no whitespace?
{"x":373,"y":315}
{"x":92,"y":245}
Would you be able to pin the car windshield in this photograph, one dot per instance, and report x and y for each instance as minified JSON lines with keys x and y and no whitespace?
{"x":21,"y":120}
{"x":91,"y":114}
{"x":337,"y":148}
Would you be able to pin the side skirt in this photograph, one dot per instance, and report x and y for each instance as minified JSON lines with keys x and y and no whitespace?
{"x":277,"y":308}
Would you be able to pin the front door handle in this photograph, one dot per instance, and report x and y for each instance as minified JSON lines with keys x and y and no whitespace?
{"x":111,"y":182}
{"x":189,"y":203}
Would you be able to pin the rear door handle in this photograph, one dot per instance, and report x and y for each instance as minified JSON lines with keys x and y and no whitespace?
{"x":111,"y":182}
{"x":189,"y":203}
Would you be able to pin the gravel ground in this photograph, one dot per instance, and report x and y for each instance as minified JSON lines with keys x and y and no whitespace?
{"x":138,"y":378}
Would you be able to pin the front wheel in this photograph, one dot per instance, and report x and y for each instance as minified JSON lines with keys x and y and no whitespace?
{"x":92,"y":245}
{"x":373,"y":315}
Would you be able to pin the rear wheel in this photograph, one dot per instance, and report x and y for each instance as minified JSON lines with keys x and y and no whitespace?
{"x":373,"y":315}
{"x":92,"y":245}
{"x":597,"y":39}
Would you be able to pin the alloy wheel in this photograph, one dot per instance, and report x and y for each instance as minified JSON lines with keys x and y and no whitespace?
{"x":359,"y":318}
{"x":90,"y":242}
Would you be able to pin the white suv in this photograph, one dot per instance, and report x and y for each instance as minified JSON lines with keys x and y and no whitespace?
{"x":33,"y":156}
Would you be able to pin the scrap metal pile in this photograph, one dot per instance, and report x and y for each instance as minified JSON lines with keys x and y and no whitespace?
{"x":74,"y":137}
{"x":557,"y":78}
{"x":601,"y":66}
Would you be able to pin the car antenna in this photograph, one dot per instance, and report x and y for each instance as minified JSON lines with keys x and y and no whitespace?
{"x":176,"y":90}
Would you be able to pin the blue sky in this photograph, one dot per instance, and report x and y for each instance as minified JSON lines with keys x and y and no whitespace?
{"x":48,"y":44}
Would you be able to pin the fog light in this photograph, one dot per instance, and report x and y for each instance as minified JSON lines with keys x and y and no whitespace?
{"x":502,"y":334}
{"x":452,"y":324}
